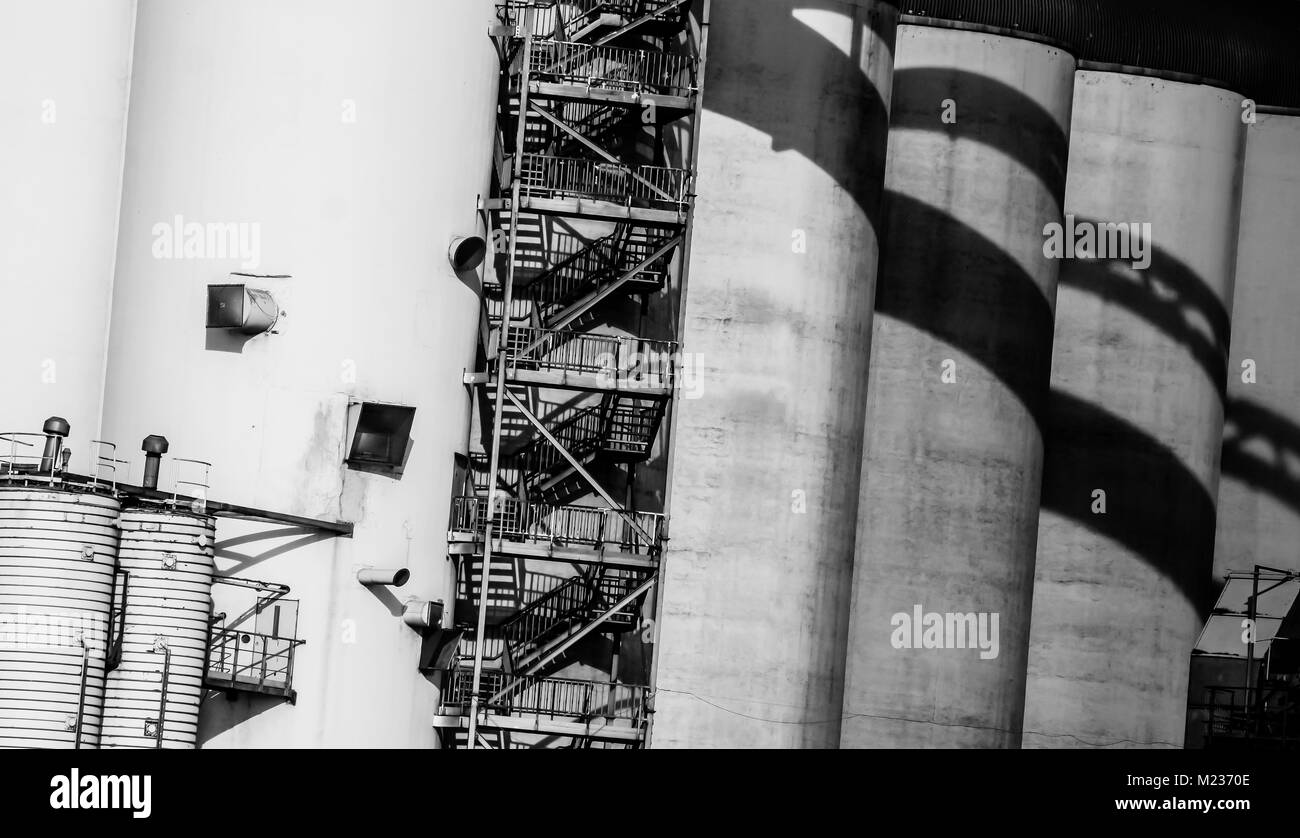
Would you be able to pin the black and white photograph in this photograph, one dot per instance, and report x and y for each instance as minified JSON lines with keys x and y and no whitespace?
{"x":875,"y":376}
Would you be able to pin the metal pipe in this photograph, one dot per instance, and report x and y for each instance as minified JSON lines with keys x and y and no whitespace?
{"x":81,"y":698}
{"x":466,"y":253}
{"x":162,"y":698}
{"x":154,"y":446}
{"x":503,"y":354}
{"x":671,"y":421}
{"x":370,"y":576}
{"x":56,"y":430}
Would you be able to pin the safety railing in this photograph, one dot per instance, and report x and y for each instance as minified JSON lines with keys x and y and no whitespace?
{"x":559,"y":606}
{"x":605,"y":260}
{"x":544,"y":176}
{"x":554,"y":698}
{"x":653,"y":363}
{"x":581,"y":435}
{"x":248,"y":660}
{"x":646,"y":72}
{"x":21,"y":452}
{"x":631,"y":429}
{"x":563,"y":525}
{"x":1266,"y":714}
{"x":568,"y":18}
{"x":612,"y":587}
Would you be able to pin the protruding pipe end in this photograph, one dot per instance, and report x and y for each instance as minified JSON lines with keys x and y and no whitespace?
{"x":370,"y":576}
{"x":467,"y":253}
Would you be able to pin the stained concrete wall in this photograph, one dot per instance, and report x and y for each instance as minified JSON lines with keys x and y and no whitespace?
{"x":1136,"y":412}
{"x":947,"y":519}
{"x":1259,"y":494}
{"x":777,"y":316}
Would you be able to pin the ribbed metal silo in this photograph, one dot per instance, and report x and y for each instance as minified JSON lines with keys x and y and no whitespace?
{"x":153,"y":696}
{"x":66,"y":67}
{"x":958,"y":374}
{"x":777,"y":315}
{"x":1126,"y":532}
{"x":57,"y":552}
{"x":1259,"y":500}
{"x":350,"y":142}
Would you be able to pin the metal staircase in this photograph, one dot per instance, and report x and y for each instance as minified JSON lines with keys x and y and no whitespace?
{"x":592,"y":205}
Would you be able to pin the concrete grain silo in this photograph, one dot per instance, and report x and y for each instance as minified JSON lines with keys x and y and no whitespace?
{"x":1259,"y":505}
{"x":66,"y":67}
{"x":297,"y":171}
{"x":947,"y":518}
{"x":777,"y":317}
{"x":1126,"y":532}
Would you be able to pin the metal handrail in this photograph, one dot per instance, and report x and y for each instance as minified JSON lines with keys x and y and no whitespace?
{"x":558,"y":606}
{"x":549,"y":176}
{"x":220,"y":642}
{"x":589,"y":269}
{"x":199,"y":505}
{"x":575,"y":525}
{"x":553,"y":698}
{"x":81,"y":695}
{"x":99,"y":462}
{"x":549,"y":18}
{"x":12,"y":462}
{"x":645,"y":72}
{"x":651,"y":362}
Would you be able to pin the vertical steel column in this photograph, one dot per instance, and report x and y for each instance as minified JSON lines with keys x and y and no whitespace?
{"x":503,"y":352}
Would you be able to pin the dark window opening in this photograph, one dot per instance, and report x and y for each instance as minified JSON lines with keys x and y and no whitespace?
{"x":382,"y":436}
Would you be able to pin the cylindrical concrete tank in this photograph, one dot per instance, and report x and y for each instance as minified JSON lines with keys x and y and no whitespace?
{"x":337,"y":147}
{"x":57,"y":552}
{"x":152,"y":698}
{"x":1126,"y":533}
{"x":66,"y":66}
{"x":960,"y":354}
{"x":1259,"y":497}
{"x":777,"y":317}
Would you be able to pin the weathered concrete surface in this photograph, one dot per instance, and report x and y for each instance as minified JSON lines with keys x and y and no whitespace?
{"x":765,"y":473}
{"x":948,"y":511}
{"x":1259,"y":495}
{"x":1136,"y":412}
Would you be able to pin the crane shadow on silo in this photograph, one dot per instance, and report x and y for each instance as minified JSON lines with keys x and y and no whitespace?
{"x":777,"y":45}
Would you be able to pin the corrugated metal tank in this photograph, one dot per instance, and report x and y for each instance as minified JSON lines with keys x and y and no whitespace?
{"x":1123,"y":579}
{"x":57,"y":552}
{"x":357,"y":138}
{"x":165,"y":559}
{"x":1259,"y":496}
{"x":66,"y":66}
{"x":960,"y":356}
{"x":777,"y":318}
